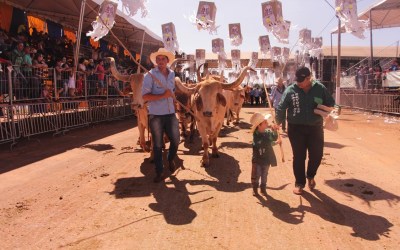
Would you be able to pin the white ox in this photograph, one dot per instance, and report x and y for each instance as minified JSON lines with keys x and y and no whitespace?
{"x":209,"y":106}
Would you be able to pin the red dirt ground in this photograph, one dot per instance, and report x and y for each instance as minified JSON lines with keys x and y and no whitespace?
{"x":92,"y":189}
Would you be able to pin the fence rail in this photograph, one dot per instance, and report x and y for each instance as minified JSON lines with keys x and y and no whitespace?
{"x":23,"y":120}
{"x":375,"y":102}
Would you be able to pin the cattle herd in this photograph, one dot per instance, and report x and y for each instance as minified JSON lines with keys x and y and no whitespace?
{"x":201,"y":107}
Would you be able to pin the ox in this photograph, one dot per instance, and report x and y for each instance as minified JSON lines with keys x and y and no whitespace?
{"x":209,"y":106}
{"x":138,"y":105}
{"x":235,"y":100}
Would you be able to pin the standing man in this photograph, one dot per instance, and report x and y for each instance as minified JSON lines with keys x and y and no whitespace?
{"x":305,"y":129}
{"x":162,"y":117}
{"x":276,"y":96}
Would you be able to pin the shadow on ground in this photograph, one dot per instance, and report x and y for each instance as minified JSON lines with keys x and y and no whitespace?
{"x":43,"y":146}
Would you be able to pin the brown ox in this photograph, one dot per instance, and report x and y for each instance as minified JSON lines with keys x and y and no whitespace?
{"x":209,"y":108}
{"x":235,"y":100}
{"x":138,"y":105}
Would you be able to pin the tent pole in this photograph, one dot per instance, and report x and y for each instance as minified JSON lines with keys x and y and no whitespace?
{"x":370,"y":38}
{"x":141,"y":51}
{"x":338,"y":65}
{"x":78,"y":37}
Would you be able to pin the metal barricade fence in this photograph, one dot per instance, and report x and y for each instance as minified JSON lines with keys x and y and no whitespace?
{"x":119,"y":108}
{"x":7,"y":125}
{"x":37,"y":118}
{"x":375,"y":102}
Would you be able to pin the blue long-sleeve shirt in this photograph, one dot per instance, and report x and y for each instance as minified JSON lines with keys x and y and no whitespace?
{"x":163,"y":106}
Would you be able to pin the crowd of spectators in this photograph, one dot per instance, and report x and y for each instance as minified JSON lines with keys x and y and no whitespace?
{"x":37,"y":59}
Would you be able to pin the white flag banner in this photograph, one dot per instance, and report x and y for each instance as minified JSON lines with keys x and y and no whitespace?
{"x":169,"y":37}
{"x":347,"y":12}
{"x":235,"y":55}
{"x":131,"y":7}
{"x":104,"y":20}
{"x":305,"y":38}
{"x":265,"y":45}
{"x":316,"y":46}
{"x":282,"y":34}
{"x":235,"y":34}
{"x":253,"y":60}
{"x":272,"y":16}
{"x":285,"y":54}
{"x":276,"y":54}
{"x":205,"y":17}
{"x":218,"y":48}
{"x":200,"y":57}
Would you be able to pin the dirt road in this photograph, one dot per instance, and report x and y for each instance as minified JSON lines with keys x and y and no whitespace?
{"x":91,"y":189}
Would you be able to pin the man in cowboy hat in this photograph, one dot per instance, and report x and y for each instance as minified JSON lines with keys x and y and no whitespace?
{"x":158,"y":90}
{"x":305,"y":129}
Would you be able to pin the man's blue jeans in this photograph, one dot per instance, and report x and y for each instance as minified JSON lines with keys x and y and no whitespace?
{"x":160,"y":124}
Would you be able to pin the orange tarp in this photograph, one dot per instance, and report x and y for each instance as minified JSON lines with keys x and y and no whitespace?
{"x":5,"y":16}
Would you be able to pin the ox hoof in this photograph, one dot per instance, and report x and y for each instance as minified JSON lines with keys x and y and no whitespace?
{"x":205,"y":164}
{"x":215,"y":155}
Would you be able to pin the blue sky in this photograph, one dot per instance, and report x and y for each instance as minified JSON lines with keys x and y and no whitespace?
{"x":315,"y":15}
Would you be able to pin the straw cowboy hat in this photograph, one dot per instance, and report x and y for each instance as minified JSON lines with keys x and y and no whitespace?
{"x":162,"y":52}
{"x":258,"y":118}
{"x":279,"y":80}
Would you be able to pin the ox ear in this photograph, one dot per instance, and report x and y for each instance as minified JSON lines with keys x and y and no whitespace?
{"x":221,"y":99}
{"x":199,"y":102}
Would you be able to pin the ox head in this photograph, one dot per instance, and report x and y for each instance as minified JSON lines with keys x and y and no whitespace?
{"x":238,"y":96}
{"x":208,"y":93}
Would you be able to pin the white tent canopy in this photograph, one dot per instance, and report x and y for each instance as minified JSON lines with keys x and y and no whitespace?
{"x":67,"y":13}
{"x":385,"y":14}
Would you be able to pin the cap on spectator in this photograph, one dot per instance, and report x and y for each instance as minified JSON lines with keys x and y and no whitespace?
{"x":302,"y":73}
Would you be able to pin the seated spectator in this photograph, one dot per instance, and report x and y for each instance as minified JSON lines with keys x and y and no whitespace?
{"x":395,"y":65}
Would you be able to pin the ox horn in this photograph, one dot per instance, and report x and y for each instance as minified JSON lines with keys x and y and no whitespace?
{"x":116,"y":73}
{"x":199,"y":78}
{"x":173,"y":64}
{"x":238,"y":81}
{"x":183,"y":88}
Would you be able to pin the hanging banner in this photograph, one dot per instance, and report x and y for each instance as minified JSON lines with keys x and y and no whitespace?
{"x":253,"y":60}
{"x":205,"y":18}
{"x":305,"y":38}
{"x":104,"y":21}
{"x":235,"y":34}
{"x":282,"y":33}
{"x":347,"y":12}
{"x":131,"y":7}
{"x":222,"y":61}
{"x":272,"y":16}
{"x":268,"y":15}
{"x":316,"y":46}
{"x":169,"y":37}
{"x":265,"y":45}
{"x":217,"y":45}
{"x":218,"y":48}
{"x":235,"y":55}
{"x":191,"y":65}
{"x":285,"y":54}
{"x":276,"y":53}
{"x":200,"y":57}
{"x":262,"y":75}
